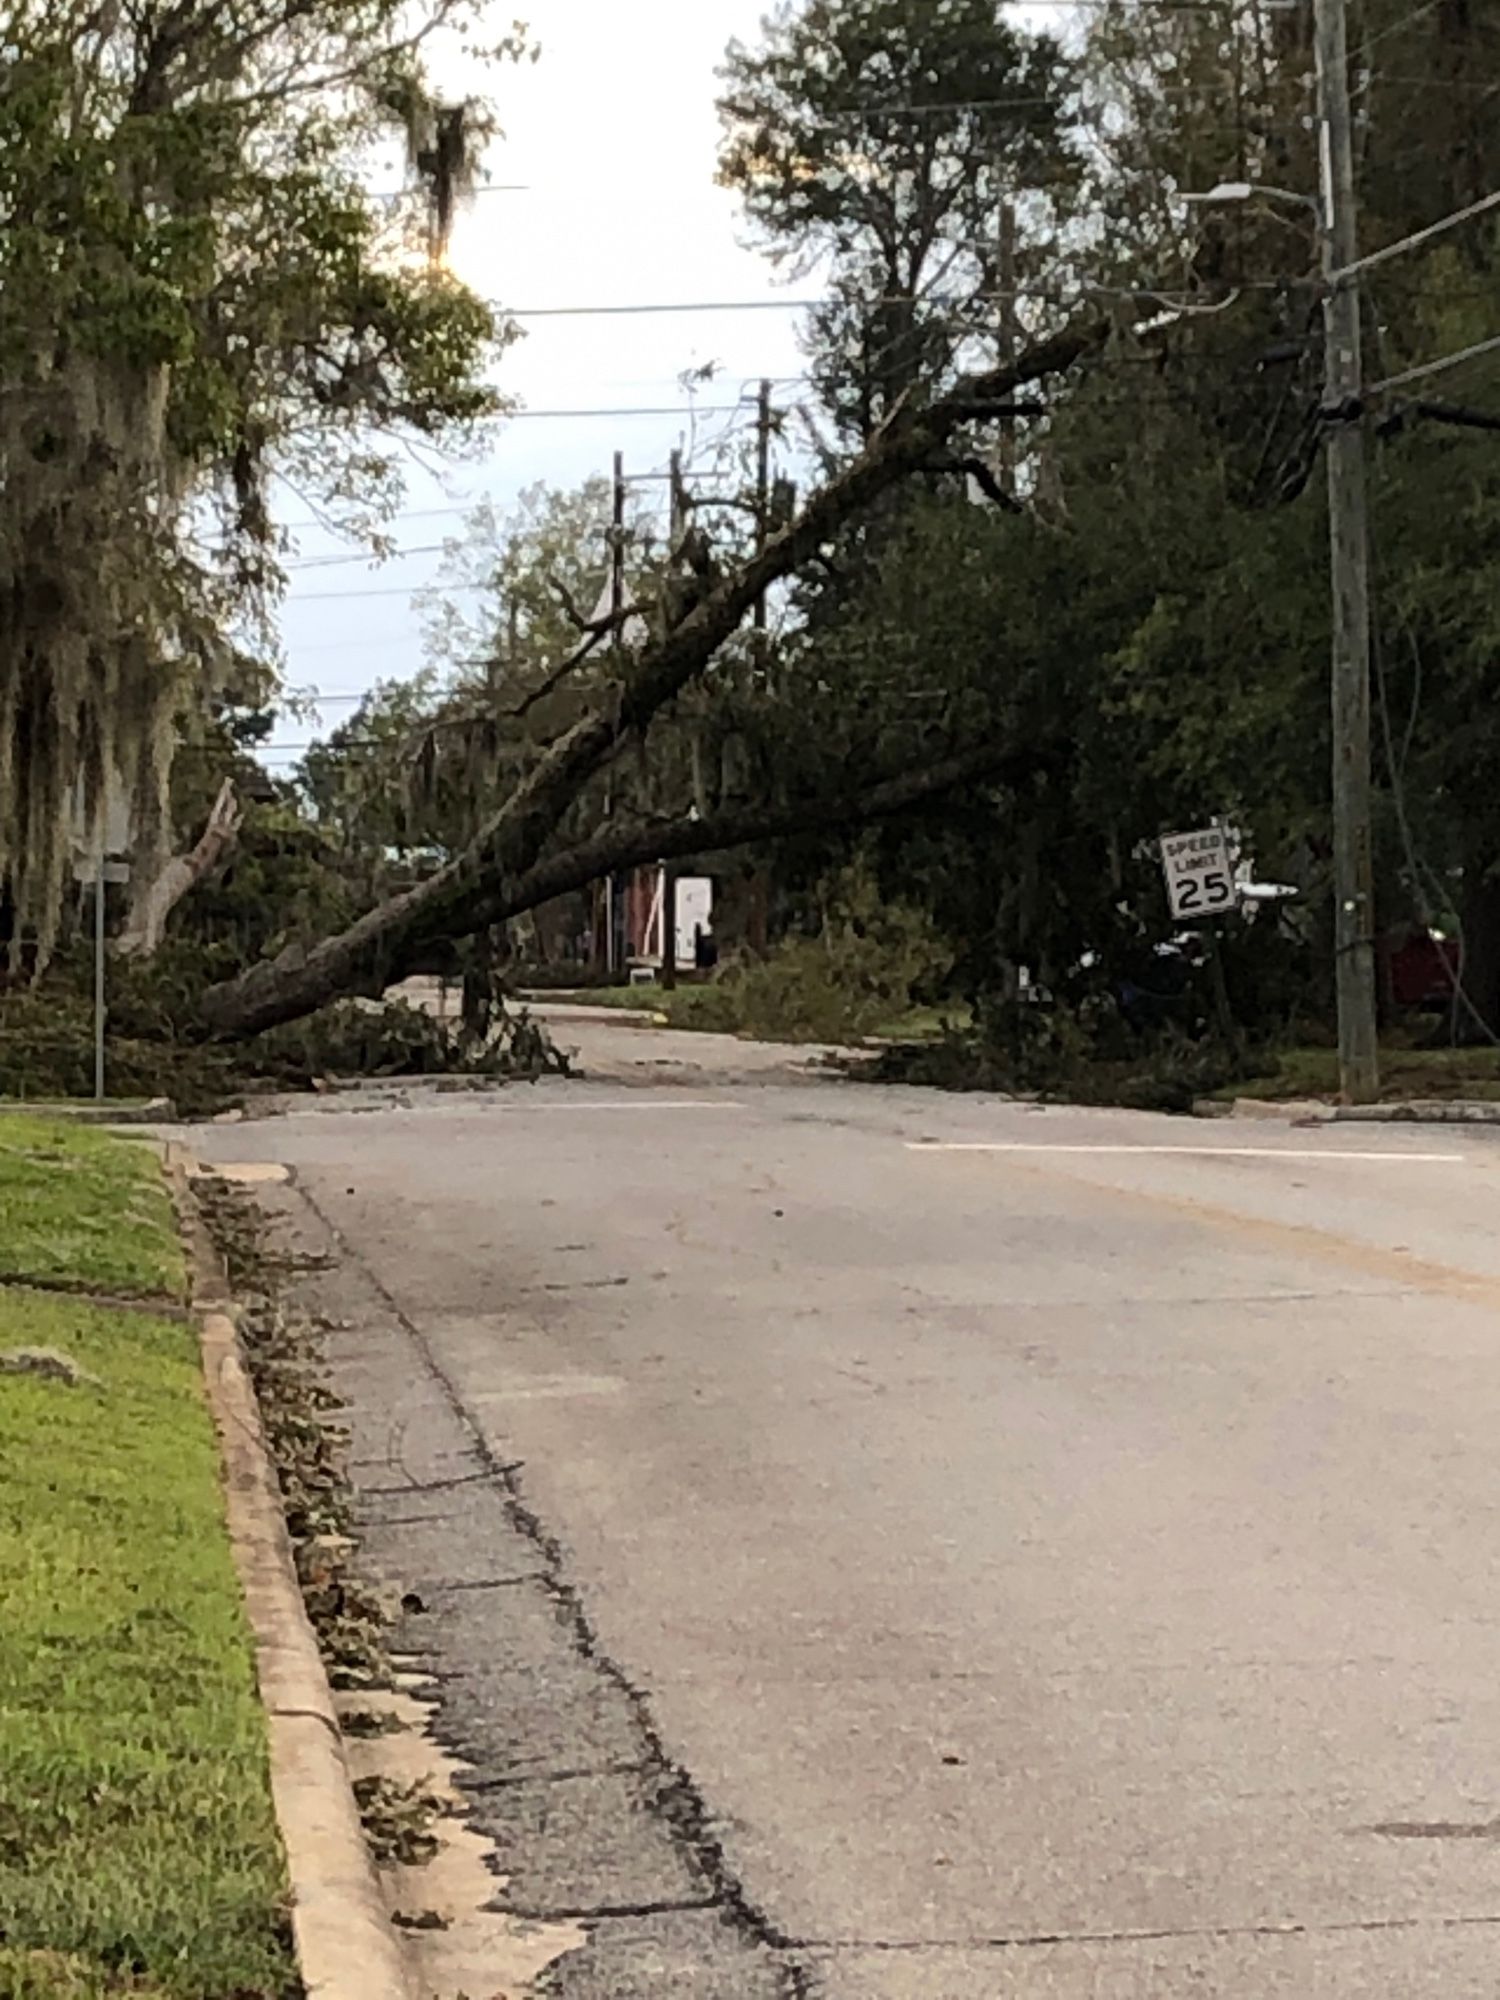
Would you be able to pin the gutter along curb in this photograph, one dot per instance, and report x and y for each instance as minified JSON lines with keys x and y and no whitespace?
{"x":347,"y":1948}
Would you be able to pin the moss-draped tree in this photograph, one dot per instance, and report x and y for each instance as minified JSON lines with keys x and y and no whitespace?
{"x":195,"y":287}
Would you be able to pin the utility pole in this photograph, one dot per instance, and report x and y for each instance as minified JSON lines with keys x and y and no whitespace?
{"x":760,"y":894}
{"x":677,"y":515}
{"x":1353,"y":858}
{"x":1005,"y":467}
{"x":616,"y":643}
{"x":676,"y":506}
{"x":762,"y":499}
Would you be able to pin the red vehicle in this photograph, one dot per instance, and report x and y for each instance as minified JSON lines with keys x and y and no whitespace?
{"x":1424,"y":970}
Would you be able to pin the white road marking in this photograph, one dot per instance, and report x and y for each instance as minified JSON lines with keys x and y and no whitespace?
{"x":645,"y":1102}
{"x":1195,"y":1152}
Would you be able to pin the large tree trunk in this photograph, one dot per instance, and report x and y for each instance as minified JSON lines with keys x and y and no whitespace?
{"x":374,"y":951}
{"x":147,"y":923}
{"x":630,"y":844}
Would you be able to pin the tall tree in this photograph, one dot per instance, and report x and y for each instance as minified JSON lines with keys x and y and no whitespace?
{"x":194,"y":287}
{"x":880,"y":144}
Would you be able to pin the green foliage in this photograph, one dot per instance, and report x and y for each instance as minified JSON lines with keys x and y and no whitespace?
{"x":47,"y":1044}
{"x":1153,"y":629}
{"x":869,"y":960}
{"x":193,"y":287}
{"x":857,"y":975}
{"x":880,"y":138}
{"x":1050,"y":1055}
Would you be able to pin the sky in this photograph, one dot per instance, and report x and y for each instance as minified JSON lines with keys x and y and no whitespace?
{"x":612,"y":137}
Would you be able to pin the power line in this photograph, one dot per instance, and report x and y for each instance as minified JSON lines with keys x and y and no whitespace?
{"x":319,"y":700}
{"x":363,"y":556}
{"x":384,"y":590}
{"x":1428,"y":368}
{"x":407,"y":514}
{"x":492,"y":187}
{"x":1420,"y":236}
{"x":1058,"y":294}
{"x":1396,"y":27}
{"x":644,"y":410}
{"x":735,"y":115}
{"x":622,"y":309}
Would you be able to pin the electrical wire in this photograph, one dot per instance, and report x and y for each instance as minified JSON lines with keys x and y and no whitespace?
{"x":1396,"y":27}
{"x":406,"y":514}
{"x":1056,"y":294}
{"x":642,"y":410}
{"x":364,"y":556}
{"x":382,"y":590}
{"x":491,"y":187}
{"x":1424,"y":878}
{"x":1420,"y":236}
{"x":1429,"y":368}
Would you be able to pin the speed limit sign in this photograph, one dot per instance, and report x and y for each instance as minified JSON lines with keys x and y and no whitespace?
{"x":1200,"y":872}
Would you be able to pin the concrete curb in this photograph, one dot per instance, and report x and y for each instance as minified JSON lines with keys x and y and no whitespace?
{"x":1422,"y":1111}
{"x":1317,"y":1111}
{"x":346,"y":1946}
{"x":146,"y":1111}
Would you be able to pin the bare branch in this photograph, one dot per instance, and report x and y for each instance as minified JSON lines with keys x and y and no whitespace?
{"x":987,"y":483}
{"x":147,"y":924}
{"x":558,"y":675}
{"x":597,"y":628}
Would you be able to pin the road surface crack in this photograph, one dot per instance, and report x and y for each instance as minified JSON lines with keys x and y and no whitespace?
{"x":520,"y":1779}
{"x":1033,"y":1940}
{"x":415,"y":1486}
{"x":597,"y":1912}
{"x":673,"y":1795}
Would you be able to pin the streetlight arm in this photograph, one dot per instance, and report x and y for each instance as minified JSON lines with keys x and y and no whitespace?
{"x":1232,"y":191}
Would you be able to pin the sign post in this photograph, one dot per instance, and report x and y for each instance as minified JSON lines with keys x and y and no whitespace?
{"x":99,"y":978}
{"x":98,"y":870}
{"x":1199,"y":868}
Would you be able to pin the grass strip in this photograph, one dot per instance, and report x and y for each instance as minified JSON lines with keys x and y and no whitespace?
{"x":138,"y":1846}
{"x":81,"y":1206}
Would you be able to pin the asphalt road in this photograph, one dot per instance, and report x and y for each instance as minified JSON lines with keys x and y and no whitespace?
{"x":883,"y":1546}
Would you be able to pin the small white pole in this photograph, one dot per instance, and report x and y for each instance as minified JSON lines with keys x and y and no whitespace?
{"x":99,"y":977}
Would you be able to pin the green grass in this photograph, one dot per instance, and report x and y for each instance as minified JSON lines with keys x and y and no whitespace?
{"x":78,"y":1206}
{"x":138,"y":1848}
{"x":1404,"y":1073}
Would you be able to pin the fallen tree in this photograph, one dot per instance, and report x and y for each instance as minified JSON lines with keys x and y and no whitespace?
{"x":480,"y":884}
{"x":637,"y":843}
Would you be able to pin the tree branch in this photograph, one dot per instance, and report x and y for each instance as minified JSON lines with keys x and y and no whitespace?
{"x":639,"y":843}
{"x":598,"y":628}
{"x":147,"y":924}
{"x":557,"y":676}
{"x":987,"y":483}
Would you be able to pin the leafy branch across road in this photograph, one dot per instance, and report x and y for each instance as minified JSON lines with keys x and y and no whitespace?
{"x":138,"y":1848}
